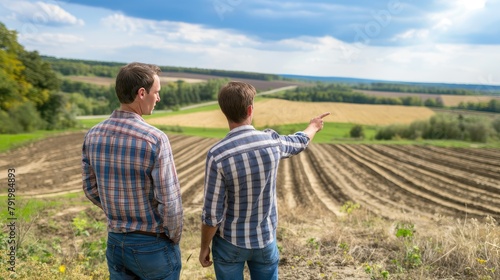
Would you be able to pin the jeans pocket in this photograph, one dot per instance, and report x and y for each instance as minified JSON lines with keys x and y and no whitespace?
{"x":270,"y":254}
{"x":223,"y":251}
{"x":157,"y":261}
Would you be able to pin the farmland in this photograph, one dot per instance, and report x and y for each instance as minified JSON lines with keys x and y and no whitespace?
{"x":429,"y":187}
{"x":389,"y":180}
{"x":271,"y":112}
{"x":421,"y":184}
{"x":167,"y":77}
{"x":448,"y":100}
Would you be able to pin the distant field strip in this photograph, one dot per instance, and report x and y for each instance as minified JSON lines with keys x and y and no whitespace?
{"x":448,"y":100}
{"x":103,"y":81}
{"x":271,"y":112}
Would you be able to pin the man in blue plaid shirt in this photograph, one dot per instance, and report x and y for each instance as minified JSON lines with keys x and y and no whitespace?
{"x":129,"y":172}
{"x":239,"y":213}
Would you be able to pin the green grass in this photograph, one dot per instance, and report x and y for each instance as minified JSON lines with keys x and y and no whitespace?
{"x":9,"y":141}
{"x":330,"y":132}
{"x":89,"y":123}
{"x":27,"y":208}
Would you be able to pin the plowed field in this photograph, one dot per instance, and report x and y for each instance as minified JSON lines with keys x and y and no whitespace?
{"x":390,"y":181}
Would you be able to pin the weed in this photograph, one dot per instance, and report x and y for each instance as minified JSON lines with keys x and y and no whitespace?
{"x":349,"y":207}
{"x":412,"y":255}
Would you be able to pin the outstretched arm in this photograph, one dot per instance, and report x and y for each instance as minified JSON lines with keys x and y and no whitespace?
{"x":315,"y":125}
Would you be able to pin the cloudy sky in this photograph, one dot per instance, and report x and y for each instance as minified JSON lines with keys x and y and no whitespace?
{"x":397,"y":40}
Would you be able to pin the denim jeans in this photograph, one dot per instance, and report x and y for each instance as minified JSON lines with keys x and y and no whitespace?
{"x":229,"y":260}
{"x":138,"y":256}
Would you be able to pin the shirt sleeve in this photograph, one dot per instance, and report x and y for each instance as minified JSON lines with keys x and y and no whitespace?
{"x":89,"y":178}
{"x":215,"y":192}
{"x":290,"y":144}
{"x":167,"y":191}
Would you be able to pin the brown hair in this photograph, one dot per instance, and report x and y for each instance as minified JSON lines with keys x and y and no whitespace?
{"x":234,"y":99}
{"x":132,"y":77}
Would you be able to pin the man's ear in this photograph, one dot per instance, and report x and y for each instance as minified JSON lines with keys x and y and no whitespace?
{"x":141,"y":93}
{"x":249,"y":110}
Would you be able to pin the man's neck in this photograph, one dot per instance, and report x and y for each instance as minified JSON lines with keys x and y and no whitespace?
{"x":233,"y":125}
{"x":129,"y":108}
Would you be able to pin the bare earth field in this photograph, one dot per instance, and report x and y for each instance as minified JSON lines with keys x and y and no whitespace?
{"x":271,"y":112}
{"x":393,"y":182}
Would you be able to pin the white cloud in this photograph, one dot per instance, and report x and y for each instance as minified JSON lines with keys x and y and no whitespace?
{"x":58,"y":40}
{"x":112,"y":36}
{"x":42,"y":13}
{"x":169,"y":32}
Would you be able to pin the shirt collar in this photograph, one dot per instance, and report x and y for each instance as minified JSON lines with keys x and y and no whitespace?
{"x":241,"y":128}
{"x":120,"y":114}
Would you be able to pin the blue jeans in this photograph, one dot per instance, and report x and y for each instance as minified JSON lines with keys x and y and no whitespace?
{"x":138,"y":256}
{"x":229,"y":260}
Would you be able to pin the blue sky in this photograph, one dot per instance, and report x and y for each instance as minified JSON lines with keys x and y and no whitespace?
{"x":397,"y":40}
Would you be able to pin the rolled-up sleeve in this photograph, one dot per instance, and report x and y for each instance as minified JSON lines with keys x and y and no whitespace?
{"x":167,"y":191}
{"x":89,"y":178}
{"x":213,"y":208}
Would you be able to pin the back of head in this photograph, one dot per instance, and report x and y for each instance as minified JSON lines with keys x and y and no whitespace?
{"x":132,"y":77}
{"x":234,"y":99}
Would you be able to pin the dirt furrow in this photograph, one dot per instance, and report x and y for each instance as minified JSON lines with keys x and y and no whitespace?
{"x":486,"y":153}
{"x":322,"y":164}
{"x":317,"y":187}
{"x":398,"y":188}
{"x":468,"y":171}
{"x":301,"y":190}
{"x":285,"y":184}
{"x":445,"y":179}
{"x":419,"y":188}
{"x":376,"y":193}
{"x":480,"y":156}
{"x":358,"y":185}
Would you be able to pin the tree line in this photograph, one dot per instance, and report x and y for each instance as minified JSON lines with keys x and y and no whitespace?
{"x":91,"y":99}
{"x":329,"y":92}
{"x":427,"y":89}
{"x":78,"y":67}
{"x":486,"y":106}
{"x":445,"y":127}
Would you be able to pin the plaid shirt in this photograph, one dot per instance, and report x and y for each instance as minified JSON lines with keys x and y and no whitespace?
{"x":240,"y":184}
{"x":128,"y":171}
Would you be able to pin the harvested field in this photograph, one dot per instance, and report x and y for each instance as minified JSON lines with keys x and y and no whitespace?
{"x":454,"y":100}
{"x":271,"y":112}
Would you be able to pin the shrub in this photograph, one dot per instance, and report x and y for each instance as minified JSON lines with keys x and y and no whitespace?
{"x":496,"y":124}
{"x":357,"y":132}
{"x":26,"y":117}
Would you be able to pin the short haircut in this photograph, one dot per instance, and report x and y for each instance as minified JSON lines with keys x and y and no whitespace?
{"x":234,"y":99}
{"x":132,"y":77}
